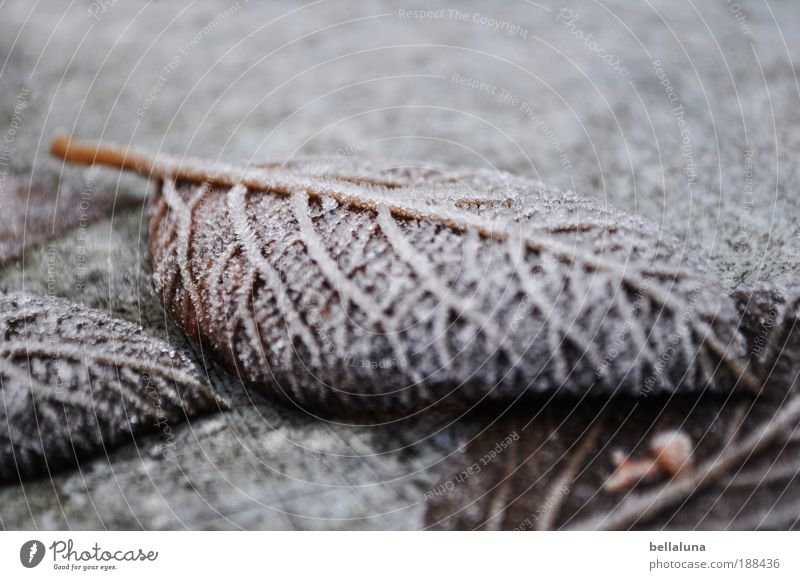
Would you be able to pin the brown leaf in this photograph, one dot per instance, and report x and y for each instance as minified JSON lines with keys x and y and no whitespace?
{"x":746,"y":471}
{"x":75,"y":382}
{"x":642,"y":509}
{"x":524,"y":486}
{"x":395,"y":289}
{"x":32,"y":214}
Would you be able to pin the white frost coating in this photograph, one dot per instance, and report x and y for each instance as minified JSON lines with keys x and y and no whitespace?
{"x":393,"y":290}
{"x":262,"y":268}
{"x":348,"y":292}
{"x":74,"y":381}
{"x":426,"y":273}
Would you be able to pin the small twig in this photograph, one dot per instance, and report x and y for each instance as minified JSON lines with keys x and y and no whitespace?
{"x":498,"y":503}
{"x":647,"y":505}
{"x":567,"y":476}
{"x":737,"y":420}
{"x":670,"y":454}
{"x":776,"y":474}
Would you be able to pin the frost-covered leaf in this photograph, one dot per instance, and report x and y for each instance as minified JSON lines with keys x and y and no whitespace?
{"x":746,"y":473}
{"x":771,"y":323}
{"x":75,"y":382}
{"x":395,"y":288}
{"x":32,"y":214}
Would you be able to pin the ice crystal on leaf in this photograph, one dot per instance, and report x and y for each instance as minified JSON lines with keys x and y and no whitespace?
{"x":356,"y":286}
{"x":75,"y":382}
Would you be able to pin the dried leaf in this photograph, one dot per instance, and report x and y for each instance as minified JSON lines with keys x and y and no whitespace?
{"x":771,"y":324}
{"x":353,"y":288}
{"x":555,"y":474}
{"x":32,"y":214}
{"x":75,"y":382}
{"x":639,"y":508}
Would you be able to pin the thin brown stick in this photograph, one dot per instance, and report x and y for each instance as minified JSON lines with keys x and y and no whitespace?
{"x":567,"y":477}
{"x":498,"y":503}
{"x":638,"y":509}
{"x":82,"y":153}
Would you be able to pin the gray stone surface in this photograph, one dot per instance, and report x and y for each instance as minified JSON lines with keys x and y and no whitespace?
{"x":276,"y":80}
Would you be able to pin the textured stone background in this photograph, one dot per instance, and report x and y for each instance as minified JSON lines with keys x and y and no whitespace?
{"x":280,"y":79}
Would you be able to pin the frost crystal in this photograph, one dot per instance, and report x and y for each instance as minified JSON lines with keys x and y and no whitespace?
{"x":75,"y":382}
{"x":426,"y":287}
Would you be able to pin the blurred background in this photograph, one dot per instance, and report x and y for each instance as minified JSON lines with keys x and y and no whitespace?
{"x":684,"y":112}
